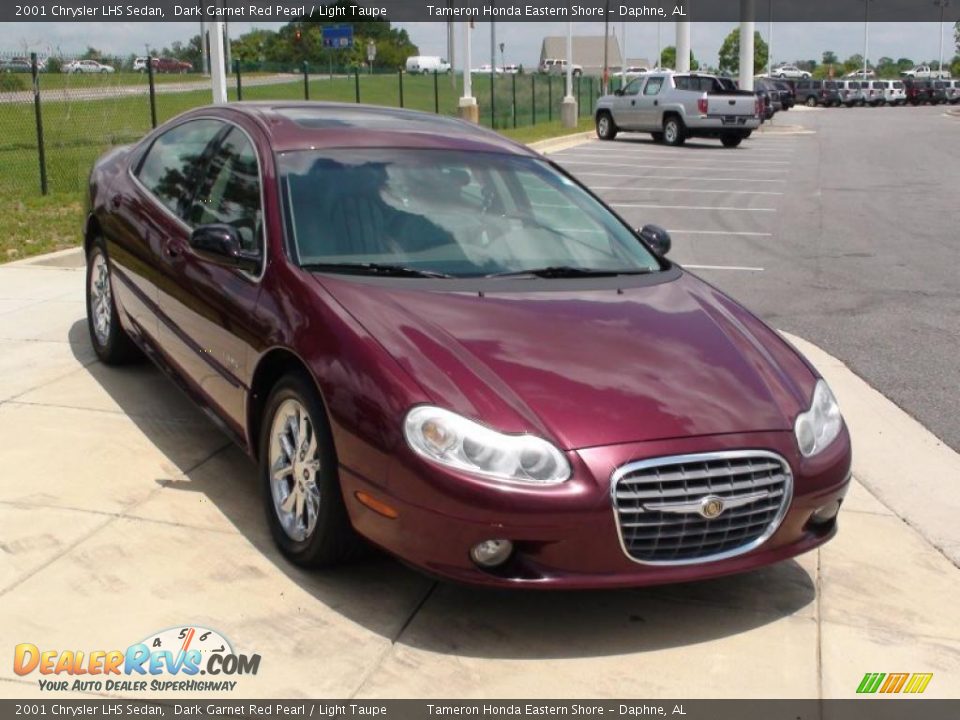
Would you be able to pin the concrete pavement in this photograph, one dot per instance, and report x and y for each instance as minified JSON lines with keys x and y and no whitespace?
{"x":123,"y":511}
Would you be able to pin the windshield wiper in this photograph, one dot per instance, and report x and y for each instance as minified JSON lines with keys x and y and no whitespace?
{"x":374,"y":269}
{"x":567,"y":271}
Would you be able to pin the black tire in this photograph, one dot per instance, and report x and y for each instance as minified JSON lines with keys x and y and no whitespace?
{"x":110,"y":342}
{"x":674,"y":133}
{"x":332,"y":539}
{"x":731,"y":141}
{"x":811,"y":101}
{"x":606,"y":128}
{"x":657,"y":137}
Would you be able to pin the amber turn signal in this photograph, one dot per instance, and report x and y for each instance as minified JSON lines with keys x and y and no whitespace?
{"x":378,"y":506}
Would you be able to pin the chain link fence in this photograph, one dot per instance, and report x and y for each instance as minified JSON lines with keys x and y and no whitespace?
{"x":58,"y":114}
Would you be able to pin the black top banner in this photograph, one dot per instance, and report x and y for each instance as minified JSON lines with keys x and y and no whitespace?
{"x":480,"y":11}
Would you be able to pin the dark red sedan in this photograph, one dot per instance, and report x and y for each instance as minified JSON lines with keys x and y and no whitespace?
{"x":433,"y":338}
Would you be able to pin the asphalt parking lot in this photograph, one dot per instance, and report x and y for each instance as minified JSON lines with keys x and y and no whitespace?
{"x":125,"y":511}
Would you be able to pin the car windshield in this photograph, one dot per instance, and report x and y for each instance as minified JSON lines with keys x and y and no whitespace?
{"x":449,"y":213}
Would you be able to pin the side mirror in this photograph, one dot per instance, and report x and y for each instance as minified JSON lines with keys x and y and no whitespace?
{"x":657,"y":238}
{"x":220,"y":244}
{"x":618,"y":92}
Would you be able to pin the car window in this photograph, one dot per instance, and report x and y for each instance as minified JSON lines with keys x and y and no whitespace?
{"x":230,"y":190}
{"x":452,"y":212}
{"x":633,"y":87}
{"x":171,"y":166}
{"x":653,"y":86}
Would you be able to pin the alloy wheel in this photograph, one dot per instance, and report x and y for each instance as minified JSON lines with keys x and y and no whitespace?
{"x":294,"y":465}
{"x":101,"y":298}
{"x":603,"y":126}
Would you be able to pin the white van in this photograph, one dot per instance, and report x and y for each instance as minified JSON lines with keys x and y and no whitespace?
{"x":427,"y":64}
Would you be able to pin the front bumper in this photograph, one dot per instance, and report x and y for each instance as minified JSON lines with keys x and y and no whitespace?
{"x":567,"y":536}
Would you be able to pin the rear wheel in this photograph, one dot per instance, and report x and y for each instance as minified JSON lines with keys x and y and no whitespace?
{"x":731,"y":141}
{"x":606,"y":128}
{"x":811,"y":101}
{"x":673,"y":131}
{"x":299,"y":479}
{"x":110,"y":341}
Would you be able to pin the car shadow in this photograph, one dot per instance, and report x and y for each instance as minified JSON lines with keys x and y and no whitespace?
{"x":698,"y":144}
{"x":447,"y":618}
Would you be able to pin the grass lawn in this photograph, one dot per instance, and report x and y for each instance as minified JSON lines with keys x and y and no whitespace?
{"x":76,"y":132}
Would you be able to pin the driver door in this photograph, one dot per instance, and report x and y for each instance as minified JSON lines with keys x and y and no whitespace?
{"x":625,"y":111}
{"x":649,"y":114}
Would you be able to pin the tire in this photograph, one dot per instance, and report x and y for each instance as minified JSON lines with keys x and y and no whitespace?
{"x":110,"y":341}
{"x":731,"y":141}
{"x":811,"y":101}
{"x":673,"y":131}
{"x":294,"y":411}
{"x":606,"y":127}
{"x":657,"y":137}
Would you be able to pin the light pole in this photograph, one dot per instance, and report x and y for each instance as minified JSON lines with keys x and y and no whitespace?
{"x":866,"y":36}
{"x":468,"y":109}
{"x":659,"y":48}
{"x":568,"y":108}
{"x":503,"y":59}
{"x":770,"y":44}
{"x":941,"y":4}
{"x":606,"y":46}
{"x":623,"y":54}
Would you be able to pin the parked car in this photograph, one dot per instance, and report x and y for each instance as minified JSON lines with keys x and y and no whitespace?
{"x":511,"y":69}
{"x":953,"y":92}
{"x":427,"y":64}
{"x":918,"y":91}
{"x":925,"y":71}
{"x":635,"y":71}
{"x":413,"y":347}
{"x":861,"y":75}
{"x":817,"y":92}
{"x":853,"y":92}
{"x":777,"y":95}
{"x":15,"y":65}
{"x":558,"y":66}
{"x":171,"y":65}
{"x":872,"y":93}
{"x":788,"y":95}
{"x":675,"y":106}
{"x":86,"y":66}
{"x":140,"y":64}
{"x":791,"y":72}
{"x":892,"y":91}
{"x":488,"y":70}
{"x":940,"y":91}
{"x":765,"y":99}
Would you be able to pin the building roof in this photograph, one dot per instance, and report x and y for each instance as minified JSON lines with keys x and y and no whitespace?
{"x":587,"y":50}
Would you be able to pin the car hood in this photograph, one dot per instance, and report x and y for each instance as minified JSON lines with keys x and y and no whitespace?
{"x":587,"y":367}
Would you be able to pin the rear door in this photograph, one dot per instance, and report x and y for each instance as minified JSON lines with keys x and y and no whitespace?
{"x":209,"y":308}
{"x":625,"y":111}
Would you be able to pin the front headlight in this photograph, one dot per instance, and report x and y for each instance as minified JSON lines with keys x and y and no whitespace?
{"x":462,"y":444}
{"x":819,"y":426}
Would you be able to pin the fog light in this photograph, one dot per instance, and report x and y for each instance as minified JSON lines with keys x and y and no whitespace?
{"x":491,"y":553}
{"x":823,"y":515}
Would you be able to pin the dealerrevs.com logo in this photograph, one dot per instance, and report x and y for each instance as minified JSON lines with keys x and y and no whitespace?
{"x":170,"y":660}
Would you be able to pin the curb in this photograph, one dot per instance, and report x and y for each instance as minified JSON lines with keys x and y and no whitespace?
{"x":56,"y":259}
{"x":904,"y":465}
{"x":562,"y":142}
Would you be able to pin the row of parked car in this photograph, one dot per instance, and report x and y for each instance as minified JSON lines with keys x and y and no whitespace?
{"x":909,"y":90}
{"x":74,"y":67}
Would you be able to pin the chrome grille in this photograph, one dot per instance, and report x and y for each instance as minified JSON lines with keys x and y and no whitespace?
{"x":665,"y":506}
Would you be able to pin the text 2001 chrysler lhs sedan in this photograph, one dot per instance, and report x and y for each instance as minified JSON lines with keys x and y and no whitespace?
{"x":433,"y":338}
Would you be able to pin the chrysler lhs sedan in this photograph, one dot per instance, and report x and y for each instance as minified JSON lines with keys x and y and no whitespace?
{"x":432,"y":338}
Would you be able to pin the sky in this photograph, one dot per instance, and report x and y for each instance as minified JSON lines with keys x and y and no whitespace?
{"x":791,"y":41}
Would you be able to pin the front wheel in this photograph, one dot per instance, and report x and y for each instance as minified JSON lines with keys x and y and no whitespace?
{"x":673,"y":131}
{"x":811,"y":101}
{"x":606,"y":128}
{"x":731,"y":141}
{"x":299,"y":479}
{"x":110,"y":341}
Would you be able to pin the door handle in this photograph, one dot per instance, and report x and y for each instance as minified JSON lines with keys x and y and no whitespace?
{"x":116,"y":200}
{"x":170,"y":250}
{"x":633,"y":102}
{"x":656,"y":102}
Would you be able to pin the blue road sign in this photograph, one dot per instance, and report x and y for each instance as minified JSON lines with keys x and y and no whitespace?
{"x":337,"y":36}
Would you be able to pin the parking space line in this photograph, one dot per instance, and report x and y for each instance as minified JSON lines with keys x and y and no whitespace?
{"x":696,"y":190}
{"x":650,"y":156}
{"x":680,"y":177}
{"x":725,"y":208}
{"x":720,"y":232}
{"x":667,"y":167}
{"x":744,"y":268}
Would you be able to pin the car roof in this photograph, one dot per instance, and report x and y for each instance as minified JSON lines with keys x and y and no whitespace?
{"x":316,"y":125}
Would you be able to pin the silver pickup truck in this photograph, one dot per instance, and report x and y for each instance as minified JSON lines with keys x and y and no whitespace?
{"x":675,"y":106}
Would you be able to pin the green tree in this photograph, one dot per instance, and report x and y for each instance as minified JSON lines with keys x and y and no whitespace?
{"x":730,"y":52}
{"x":668,"y":58}
{"x":91,"y":53}
{"x":904,"y":64}
{"x":829,"y":58}
{"x":854,"y":62}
